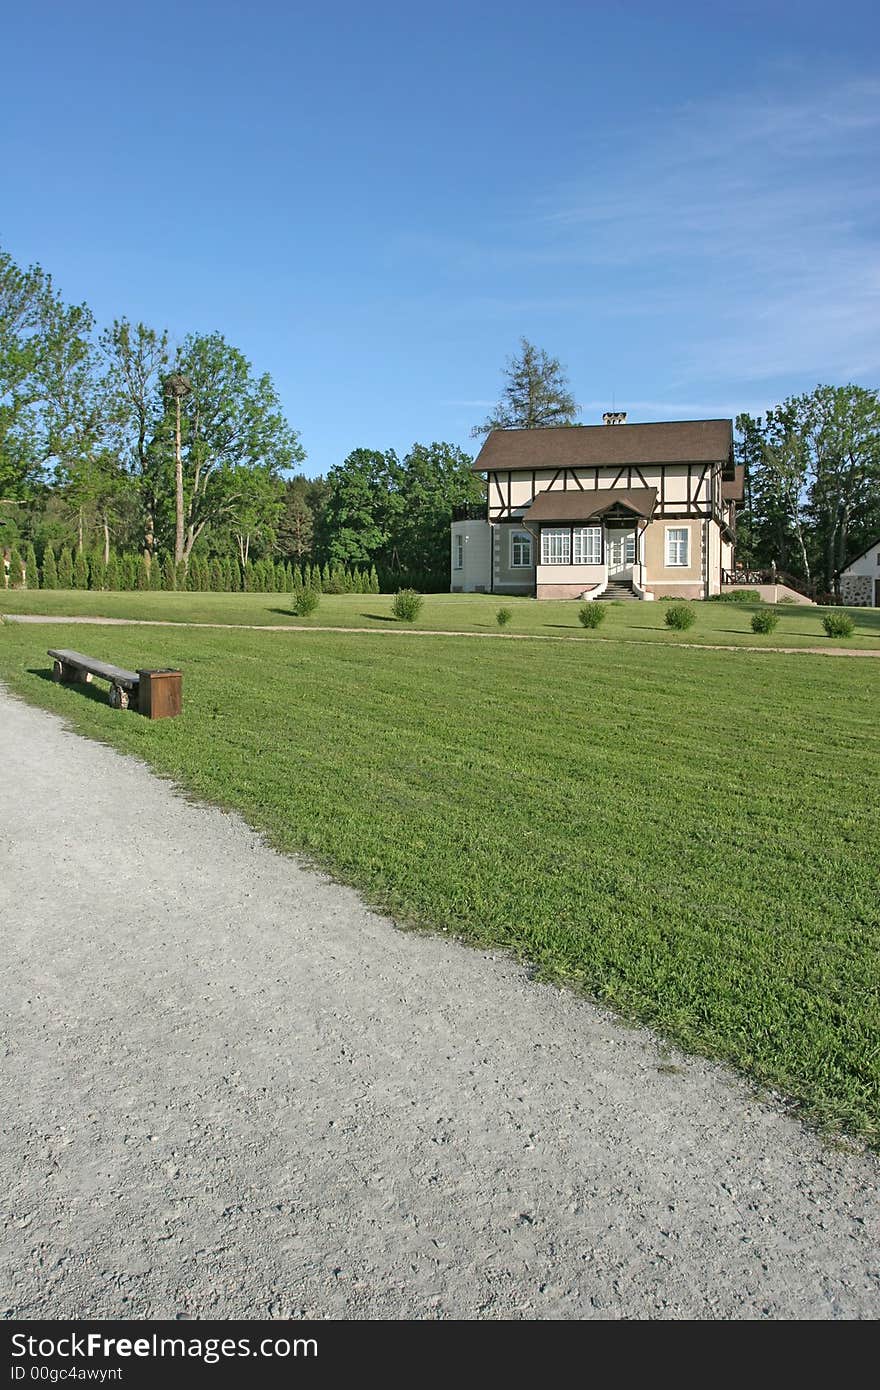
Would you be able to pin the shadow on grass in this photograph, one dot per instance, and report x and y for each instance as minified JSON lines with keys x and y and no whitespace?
{"x":88,"y":688}
{"x":379,"y":617}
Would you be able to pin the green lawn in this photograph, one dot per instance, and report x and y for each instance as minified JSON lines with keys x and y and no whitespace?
{"x":688,"y":835}
{"x":716,"y":622}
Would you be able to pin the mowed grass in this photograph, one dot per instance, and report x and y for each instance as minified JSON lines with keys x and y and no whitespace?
{"x":723,"y":623}
{"x":689,"y":836}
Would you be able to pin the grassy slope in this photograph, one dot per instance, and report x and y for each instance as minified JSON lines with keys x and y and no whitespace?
{"x":684,"y":834}
{"x":716,"y":622}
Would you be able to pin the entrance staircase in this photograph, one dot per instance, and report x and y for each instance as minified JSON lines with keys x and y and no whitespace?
{"x":619,"y":589}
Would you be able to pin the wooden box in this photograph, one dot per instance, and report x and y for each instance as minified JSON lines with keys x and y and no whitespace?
{"x":160,"y":694}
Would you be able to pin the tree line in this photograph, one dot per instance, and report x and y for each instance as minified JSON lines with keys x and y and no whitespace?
{"x":149,"y":460}
{"x":145,"y":459}
{"x":812,"y":477}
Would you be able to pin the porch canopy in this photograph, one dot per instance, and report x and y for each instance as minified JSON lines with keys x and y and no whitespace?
{"x":592,"y":504}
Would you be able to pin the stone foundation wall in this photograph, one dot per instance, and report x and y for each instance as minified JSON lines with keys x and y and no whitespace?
{"x":857,"y":590}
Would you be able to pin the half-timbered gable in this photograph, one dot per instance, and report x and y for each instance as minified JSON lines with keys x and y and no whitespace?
{"x":644,"y":505}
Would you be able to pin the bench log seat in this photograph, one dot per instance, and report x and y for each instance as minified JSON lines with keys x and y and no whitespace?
{"x":157,"y":694}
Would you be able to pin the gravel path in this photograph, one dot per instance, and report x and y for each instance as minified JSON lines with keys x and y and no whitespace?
{"x":231,"y":1090}
{"x":432,"y":632}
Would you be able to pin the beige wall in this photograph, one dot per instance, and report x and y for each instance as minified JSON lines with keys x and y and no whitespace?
{"x":506,"y":578}
{"x":474,"y":573}
{"x":657,"y":572}
{"x":675,"y":484}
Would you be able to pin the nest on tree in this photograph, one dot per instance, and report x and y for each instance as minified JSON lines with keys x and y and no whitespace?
{"x":177,"y":385}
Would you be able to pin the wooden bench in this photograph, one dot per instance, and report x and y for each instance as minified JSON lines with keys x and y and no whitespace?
{"x":157,"y":694}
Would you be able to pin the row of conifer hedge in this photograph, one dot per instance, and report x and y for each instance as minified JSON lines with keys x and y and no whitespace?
{"x":79,"y":570}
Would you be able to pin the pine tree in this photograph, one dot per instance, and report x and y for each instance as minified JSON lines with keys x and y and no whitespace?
{"x":537,"y":394}
{"x":374,"y":580}
{"x":325,"y":577}
{"x":156,"y":574}
{"x":32,"y":574}
{"x":50,"y":571}
{"x":234,"y":576}
{"x":168,"y":575}
{"x":217,"y":583}
{"x":111,"y":574}
{"x":80,"y":571}
{"x":65,"y":568}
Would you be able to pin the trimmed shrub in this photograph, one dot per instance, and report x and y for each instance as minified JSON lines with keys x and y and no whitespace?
{"x":143,"y":574}
{"x":16,"y":578}
{"x":80,"y":571}
{"x":737,"y":596}
{"x":838,"y":624}
{"x":169,"y":578}
{"x":111,"y":573}
{"x":407,"y":605}
{"x":374,"y":581}
{"x":503,"y":617}
{"x":680,"y":616}
{"x":216,"y":580}
{"x":65,"y":568}
{"x":50,"y":571}
{"x":32,"y":574}
{"x":156,"y":573}
{"x":97,"y":571}
{"x":590,"y":615}
{"x":764,"y":622}
{"x":305,"y":602}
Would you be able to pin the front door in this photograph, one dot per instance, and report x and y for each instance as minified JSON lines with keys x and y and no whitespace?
{"x":620,"y":547}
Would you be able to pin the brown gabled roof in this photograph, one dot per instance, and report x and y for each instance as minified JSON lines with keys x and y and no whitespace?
{"x":577,"y":505}
{"x":591,"y":446}
{"x":734,"y":489}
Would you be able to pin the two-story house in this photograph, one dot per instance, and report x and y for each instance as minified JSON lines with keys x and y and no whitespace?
{"x":590,"y":511}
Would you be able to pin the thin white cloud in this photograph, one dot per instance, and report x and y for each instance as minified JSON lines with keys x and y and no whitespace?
{"x":754,"y":221}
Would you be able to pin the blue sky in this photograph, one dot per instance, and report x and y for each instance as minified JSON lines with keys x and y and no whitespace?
{"x":375,"y":201}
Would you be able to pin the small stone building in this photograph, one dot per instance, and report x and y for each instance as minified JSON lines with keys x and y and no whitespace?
{"x":860,"y":581}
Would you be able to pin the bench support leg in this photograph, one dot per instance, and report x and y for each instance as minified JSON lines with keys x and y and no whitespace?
{"x":119,"y":698}
{"x":62,"y":672}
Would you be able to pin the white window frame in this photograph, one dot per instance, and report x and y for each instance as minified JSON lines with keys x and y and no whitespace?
{"x":458,"y":556}
{"x":520,"y":538}
{"x":556,"y":545}
{"x":586,"y":545}
{"x":672,"y":547}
